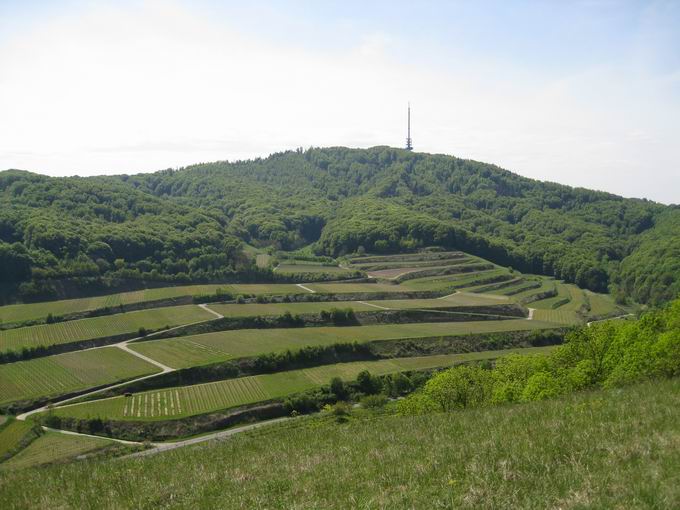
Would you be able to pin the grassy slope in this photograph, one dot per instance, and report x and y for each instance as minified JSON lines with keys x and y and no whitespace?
{"x":614,"y":449}
{"x":195,"y":350}
{"x":63,"y":373}
{"x":183,"y":401}
{"x":98,"y":327}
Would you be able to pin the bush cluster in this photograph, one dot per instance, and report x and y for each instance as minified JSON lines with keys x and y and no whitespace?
{"x":605,"y":355}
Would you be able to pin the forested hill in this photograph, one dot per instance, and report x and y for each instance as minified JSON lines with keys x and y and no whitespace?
{"x":187,"y":224}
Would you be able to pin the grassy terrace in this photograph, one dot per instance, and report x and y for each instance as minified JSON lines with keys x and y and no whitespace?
{"x":98,"y":327}
{"x":32,"y":311}
{"x":254,"y":309}
{"x":437,"y":283}
{"x":300,"y":267}
{"x":54,"y":447}
{"x":208,"y":348}
{"x":12,"y":434}
{"x":64,"y":373}
{"x":37,"y":311}
{"x":173,"y":403}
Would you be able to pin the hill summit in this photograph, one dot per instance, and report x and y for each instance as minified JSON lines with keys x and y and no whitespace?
{"x":190,"y":224}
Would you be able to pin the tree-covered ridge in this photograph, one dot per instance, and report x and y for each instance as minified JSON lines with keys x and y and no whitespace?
{"x":56,"y":228}
{"x":187,"y":222}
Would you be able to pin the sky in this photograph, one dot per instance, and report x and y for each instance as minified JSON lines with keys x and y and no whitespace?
{"x":585,"y":93}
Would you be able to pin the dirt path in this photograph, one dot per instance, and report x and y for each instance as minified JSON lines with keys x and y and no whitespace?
{"x":374,"y":306}
{"x":305,"y":288}
{"x":217,"y":315}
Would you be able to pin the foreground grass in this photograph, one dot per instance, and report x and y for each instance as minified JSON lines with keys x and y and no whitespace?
{"x":613,"y":449}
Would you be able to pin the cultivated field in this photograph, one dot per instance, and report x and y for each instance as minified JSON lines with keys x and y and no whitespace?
{"x":64,"y":373}
{"x":54,"y":447}
{"x":208,"y":348}
{"x":173,"y":403}
{"x":99,"y":327}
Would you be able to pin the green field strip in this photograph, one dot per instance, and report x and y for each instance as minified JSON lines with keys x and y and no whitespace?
{"x":34,"y":311}
{"x":310,"y":268}
{"x":64,"y":373}
{"x":376,"y":266}
{"x":274,"y":309}
{"x":214,"y":396}
{"x":99,"y":327}
{"x":558,"y":316}
{"x":439,"y":283}
{"x":311,"y":307}
{"x":54,"y":447}
{"x":346,"y":288}
{"x":184,"y":352}
{"x":406,"y":257}
{"x":12,"y":434}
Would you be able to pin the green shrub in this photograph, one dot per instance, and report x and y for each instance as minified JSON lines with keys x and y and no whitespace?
{"x":374,"y":401}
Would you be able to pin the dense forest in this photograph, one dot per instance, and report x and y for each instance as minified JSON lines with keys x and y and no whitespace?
{"x":190,"y":224}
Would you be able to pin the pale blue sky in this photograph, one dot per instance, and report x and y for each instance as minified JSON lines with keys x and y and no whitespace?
{"x":584,"y":93}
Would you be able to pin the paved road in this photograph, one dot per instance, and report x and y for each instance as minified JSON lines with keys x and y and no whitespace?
{"x":215,"y":436}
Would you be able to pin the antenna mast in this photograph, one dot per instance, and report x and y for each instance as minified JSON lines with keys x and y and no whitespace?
{"x":409,"y":145}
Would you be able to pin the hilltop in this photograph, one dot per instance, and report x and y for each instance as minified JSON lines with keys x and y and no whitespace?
{"x":191,"y":224}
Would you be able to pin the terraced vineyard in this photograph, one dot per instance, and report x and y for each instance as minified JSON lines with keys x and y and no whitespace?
{"x":99,"y":327}
{"x":64,"y":373}
{"x":208,"y":348}
{"x":54,"y":447}
{"x":173,"y":403}
{"x":451,"y":279}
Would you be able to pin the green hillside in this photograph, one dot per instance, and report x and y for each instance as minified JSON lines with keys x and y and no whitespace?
{"x":188,"y":225}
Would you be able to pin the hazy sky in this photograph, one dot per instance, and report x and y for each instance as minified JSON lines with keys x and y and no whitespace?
{"x":583,"y":93}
